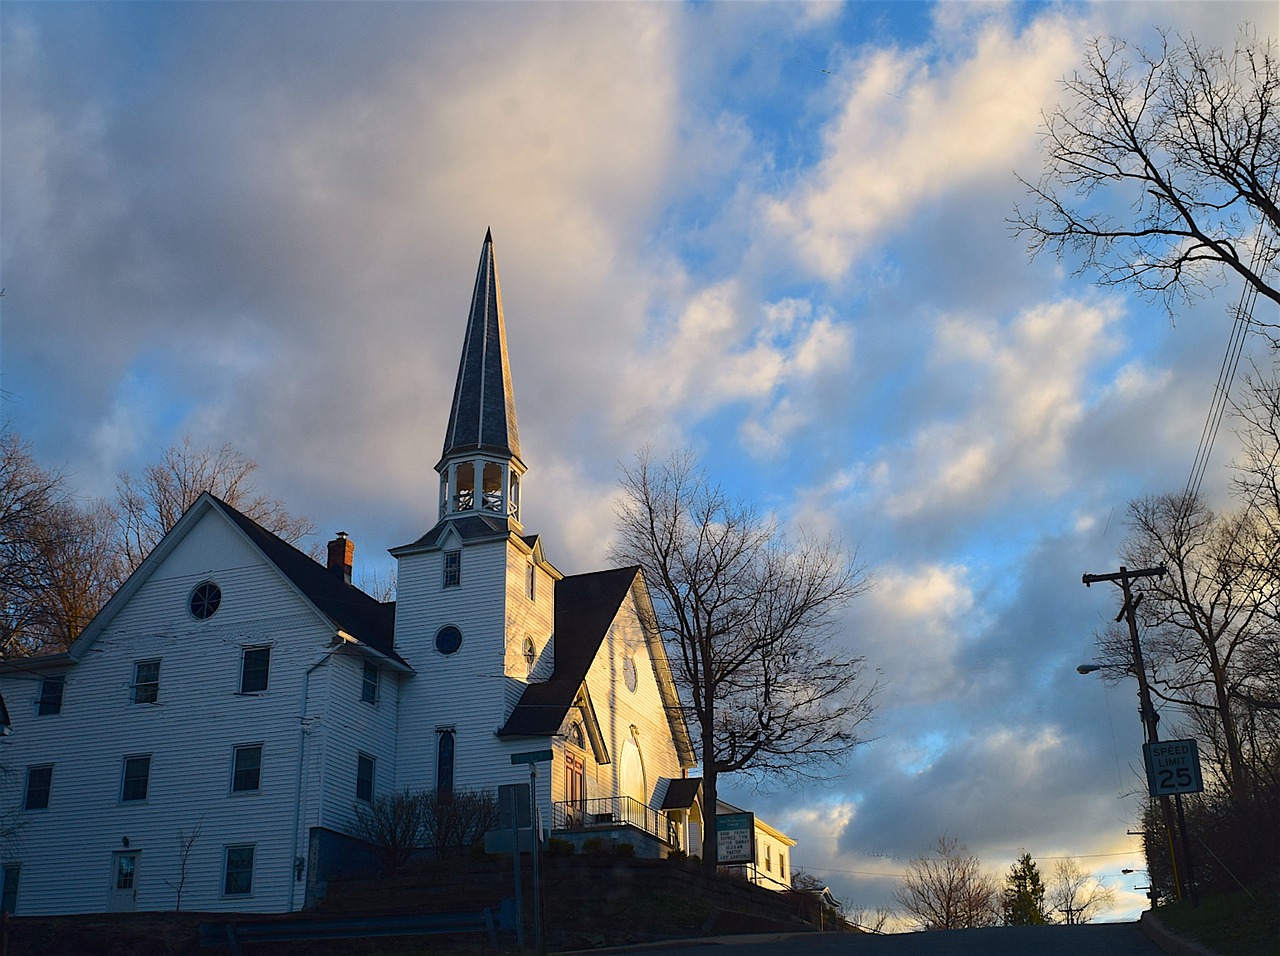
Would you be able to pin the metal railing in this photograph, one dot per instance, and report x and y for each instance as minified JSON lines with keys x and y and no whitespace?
{"x":611,"y":812}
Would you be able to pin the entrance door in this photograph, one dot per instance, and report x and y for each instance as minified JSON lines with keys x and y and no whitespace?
{"x":123,"y":897}
{"x":575,"y":791}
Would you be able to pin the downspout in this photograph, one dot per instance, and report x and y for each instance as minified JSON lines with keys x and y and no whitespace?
{"x":302,"y":750}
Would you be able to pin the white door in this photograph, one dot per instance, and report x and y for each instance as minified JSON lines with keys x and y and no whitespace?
{"x":123,"y":896}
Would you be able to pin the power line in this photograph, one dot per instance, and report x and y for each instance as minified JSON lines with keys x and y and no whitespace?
{"x":1227,"y":372}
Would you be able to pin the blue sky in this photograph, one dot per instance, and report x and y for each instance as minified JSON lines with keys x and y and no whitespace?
{"x":774,"y":232}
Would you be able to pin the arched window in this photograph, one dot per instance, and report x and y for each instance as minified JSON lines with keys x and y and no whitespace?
{"x":444,"y":760}
{"x":576,"y":736}
{"x":530,"y":655}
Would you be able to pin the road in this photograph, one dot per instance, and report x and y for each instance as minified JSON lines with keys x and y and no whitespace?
{"x":1095,"y":939}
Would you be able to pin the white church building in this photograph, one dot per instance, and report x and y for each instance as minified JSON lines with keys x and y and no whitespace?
{"x":210,"y":735}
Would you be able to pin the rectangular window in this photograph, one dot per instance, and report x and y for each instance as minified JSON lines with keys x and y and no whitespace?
{"x":452,"y":569}
{"x":50,"y":699}
{"x":369,"y":686}
{"x":137,"y":772}
{"x":364,"y":778}
{"x":39,"y":782}
{"x":9,"y":894}
{"x":531,"y":582}
{"x":146,"y":682}
{"x":246,"y":774}
{"x":255,"y":665}
{"x":237,"y":874}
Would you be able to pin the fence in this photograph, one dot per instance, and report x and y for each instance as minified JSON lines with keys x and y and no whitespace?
{"x":612,"y":812}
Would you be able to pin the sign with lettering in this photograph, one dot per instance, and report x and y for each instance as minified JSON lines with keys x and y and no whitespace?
{"x":736,"y":837}
{"x":1173,"y":766}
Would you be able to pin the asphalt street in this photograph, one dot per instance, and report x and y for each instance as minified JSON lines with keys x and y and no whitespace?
{"x":1096,"y":939}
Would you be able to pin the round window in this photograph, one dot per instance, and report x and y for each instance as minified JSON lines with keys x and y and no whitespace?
{"x":629,"y":673}
{"x":205,"y":600}
{"x":448,"y":639}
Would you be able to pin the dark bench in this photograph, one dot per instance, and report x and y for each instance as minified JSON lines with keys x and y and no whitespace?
{"x":233,"y":934}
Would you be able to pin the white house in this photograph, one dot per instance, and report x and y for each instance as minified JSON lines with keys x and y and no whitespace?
{"x":207,"y":739}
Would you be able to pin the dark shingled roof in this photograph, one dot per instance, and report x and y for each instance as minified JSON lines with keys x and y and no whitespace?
{"x":586,"y":605}
{"x":469,"y":528}
{"x":483,"y":414}
{"x":370,"y":621}
{"x":681,"y":792}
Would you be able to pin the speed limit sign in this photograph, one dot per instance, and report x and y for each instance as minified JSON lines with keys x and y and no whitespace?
{"x":1173,"y":766}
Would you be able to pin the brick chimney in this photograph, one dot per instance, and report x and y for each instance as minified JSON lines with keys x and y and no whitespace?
{"x":342,"y":554}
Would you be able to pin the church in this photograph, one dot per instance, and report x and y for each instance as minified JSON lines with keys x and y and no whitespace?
{"x":206,"y":742}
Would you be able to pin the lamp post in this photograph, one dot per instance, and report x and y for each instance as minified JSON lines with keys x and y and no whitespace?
{"x":1150,"y":719}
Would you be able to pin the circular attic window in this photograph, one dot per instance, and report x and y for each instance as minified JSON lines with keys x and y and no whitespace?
{"x":448,"y":639}
{"x":205,"y":600}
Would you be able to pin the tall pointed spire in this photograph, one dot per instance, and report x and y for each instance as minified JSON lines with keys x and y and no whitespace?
{"x":480,"y":470}
{"x":483,"y":414}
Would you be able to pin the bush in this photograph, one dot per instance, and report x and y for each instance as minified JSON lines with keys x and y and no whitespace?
{"x":558,"y":847}
{"x":595,"y":845}
{"x":625,"y":849}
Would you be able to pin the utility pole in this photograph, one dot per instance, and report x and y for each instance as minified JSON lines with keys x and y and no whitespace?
{"x":1150,"y":719}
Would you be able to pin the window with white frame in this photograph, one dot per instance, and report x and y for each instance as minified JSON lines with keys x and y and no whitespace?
{"x":135,"y":779}
{"x":365,"y":767}
{"x":255,"y":668}
{"x":50,"y":699}
{"x":369,"y":683}
{"x":146,"y":682}
{"x":39,"y":783}
{"x":246,"y":769}
{"x":452,"y":569}
{"x":237,"y":870}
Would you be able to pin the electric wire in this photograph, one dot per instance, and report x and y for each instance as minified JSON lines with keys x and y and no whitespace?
{"x":1226,"y":374}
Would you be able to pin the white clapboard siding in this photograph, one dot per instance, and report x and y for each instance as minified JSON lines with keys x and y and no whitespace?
{"x":462,"y":691}
{"x":190,"y":733}
{"x":619,"y":709}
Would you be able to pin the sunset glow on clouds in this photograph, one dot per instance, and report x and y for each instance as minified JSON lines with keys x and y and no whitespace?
{"x":773,"y":232}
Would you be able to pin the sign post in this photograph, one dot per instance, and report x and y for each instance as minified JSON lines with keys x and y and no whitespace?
{"x":533,"y":758}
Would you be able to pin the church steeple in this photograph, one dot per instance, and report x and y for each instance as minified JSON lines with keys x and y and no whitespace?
{"x":480,"y":469}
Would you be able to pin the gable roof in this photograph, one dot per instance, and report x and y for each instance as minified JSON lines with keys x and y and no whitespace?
{"x":586,"y":604}
{"x":369,"y":621}
{"x":483,"y":413}
{"x":349,"y":609}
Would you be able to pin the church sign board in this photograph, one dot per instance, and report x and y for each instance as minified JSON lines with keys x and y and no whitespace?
{"x":1173,"y":766}
{"x":736,"y":837}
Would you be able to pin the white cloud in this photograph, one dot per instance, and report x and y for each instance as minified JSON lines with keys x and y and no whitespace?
{"x":913,"y":126}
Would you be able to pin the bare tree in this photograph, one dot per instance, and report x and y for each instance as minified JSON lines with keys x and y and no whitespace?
{"x":750,"y":619}
{"x":1077,"y":895}
{"x":456,"y":819}
{"x":1202,"y":620}
{"x":1187,"y":140}
{"x":150,"y":505}
{"x":186,"y":843}
{"x":948,"y":890}
{"x":394,"y":825}
{"x":58,"y":561}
